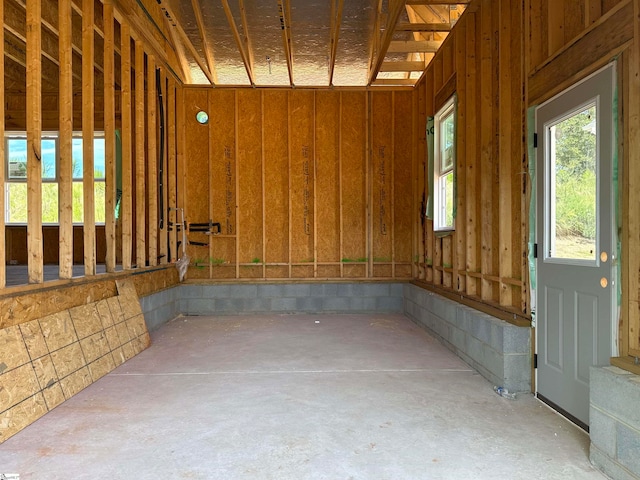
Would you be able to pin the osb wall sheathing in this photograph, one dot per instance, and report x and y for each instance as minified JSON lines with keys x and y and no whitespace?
{"x":33,"y":301}
{"x":305,"y":183}
{"x":46,"y":361}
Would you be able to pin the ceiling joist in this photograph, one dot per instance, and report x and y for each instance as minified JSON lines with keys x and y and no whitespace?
{"x":284,"y":10}
{"x":246,"y":56}
{"x":413,"y":46}
{"x":423,"y":27}
{"x":170,"y":16}
{"x":208,"y":52}
{"x":407,"y":66}
{"x":336,"y":17}
{"x":395,"y":9}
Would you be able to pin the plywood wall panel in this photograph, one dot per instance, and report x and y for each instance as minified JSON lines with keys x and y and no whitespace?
{"x":249,"y":149}
{"x":223,"y":177}
{"x":353,"y":181}
{"x":328,"y":176}
{"x":381,"y":177}
{"x":302,"y":176}
{"x":403,"y":198}
{"x":196,"y":178}
{"x":290,"y":181}
{"x":276,"y":174}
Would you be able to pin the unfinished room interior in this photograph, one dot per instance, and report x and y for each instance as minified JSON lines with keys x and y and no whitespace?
{"x":289,"y":239}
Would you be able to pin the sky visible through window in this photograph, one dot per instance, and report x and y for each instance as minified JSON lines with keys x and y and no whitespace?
{"x":18,"y":153}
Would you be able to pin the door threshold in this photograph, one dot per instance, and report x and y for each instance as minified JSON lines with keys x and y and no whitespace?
{"x":563,"y":412}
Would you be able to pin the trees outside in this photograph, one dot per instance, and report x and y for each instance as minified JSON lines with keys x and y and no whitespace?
{"x":575,"y":184}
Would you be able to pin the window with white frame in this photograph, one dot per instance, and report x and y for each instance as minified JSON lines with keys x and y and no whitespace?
{"x":16,"y":178}
{"x":444,"y":167}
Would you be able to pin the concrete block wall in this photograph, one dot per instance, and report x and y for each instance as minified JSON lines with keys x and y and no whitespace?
{"x":233,"y":299}
{"x":614,"y":417}
{"x":499,"y":351}
{"x":160,"y":307}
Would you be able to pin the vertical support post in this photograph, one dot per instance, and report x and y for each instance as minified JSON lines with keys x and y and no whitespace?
{"x":34,"y":134}
{"x":341,"y":255}
{"x":263,"y":188}
{"x":126,"y":208}
{"x":88,"y":122}
{"x":65,"y":140}
{"x":152,"y":161}
{"x":109,"y":136}
{"x":172,"y":171}
{"x":141,"y":250}
{"x":3,"y":253}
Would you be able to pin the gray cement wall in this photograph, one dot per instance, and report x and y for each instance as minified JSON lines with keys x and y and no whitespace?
{"x":499,"y":351}
{"x":614,"y":417}
{"x":496,"y":349}
{"x":235,"y":299}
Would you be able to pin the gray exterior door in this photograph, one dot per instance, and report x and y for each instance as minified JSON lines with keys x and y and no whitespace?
{"x":575,"y":219}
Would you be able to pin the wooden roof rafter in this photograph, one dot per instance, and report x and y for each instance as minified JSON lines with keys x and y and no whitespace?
{"x":336,"y":18}
{"x":208,"y":52}
{"x":247,"y":38}
{"x":246,"y":56}
{"x":284,"y":10}
{"x":395,"y":9}
{"x":170,"y":17}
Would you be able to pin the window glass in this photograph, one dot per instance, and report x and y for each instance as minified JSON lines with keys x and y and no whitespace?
{"x":17,"y":158}
{"x":444,"y":163}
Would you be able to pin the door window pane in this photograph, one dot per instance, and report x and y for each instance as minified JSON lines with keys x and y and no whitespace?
{"x":573,"y":200}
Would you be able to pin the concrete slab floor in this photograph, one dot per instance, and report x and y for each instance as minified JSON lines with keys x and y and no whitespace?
{"x":297,"y":397}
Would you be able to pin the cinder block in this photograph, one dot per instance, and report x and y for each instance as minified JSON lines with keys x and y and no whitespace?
{"x":516,"y":339}
{"x":480,"y":325}
{"x":628,"y":442}
{"x":457,"y":338}
{"x":336,"y":304}
{"x":309,"y":304}
{"x":363,"y":304}
{"x":243,"y":291}
{"x":353,"y":289}
{"x":212,"y":291}
{"x":254,"y":305}
{"x":608,"y":465}
{"x":200,"y":306}
{"x":323,"y":290}
{"x":270,"y":291}
{"x":193,"y":291}
{"x":376,"y":289}
{"x":427,"y":300}
{"x":229,"y":306}
{"x":615,"y":394}
{"x":283,"y":305}
{"x":602,"y":431}
{"x":476,"y":350}
{"x":389,"y":304}
{"x":517,"y":372}
{"x":461,"y":319}
{"x":396,"y":289}
{"x":296,"y":290}
{"x":494,"y":362}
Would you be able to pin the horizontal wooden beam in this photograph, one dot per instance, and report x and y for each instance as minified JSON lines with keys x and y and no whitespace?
{"x":394,"y":81}
{"x":402,"y":66}
{"x":423,"y":27}
{"x":437,"y":2}
{"x":594,"y":48}
{"x":413,"y":46}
